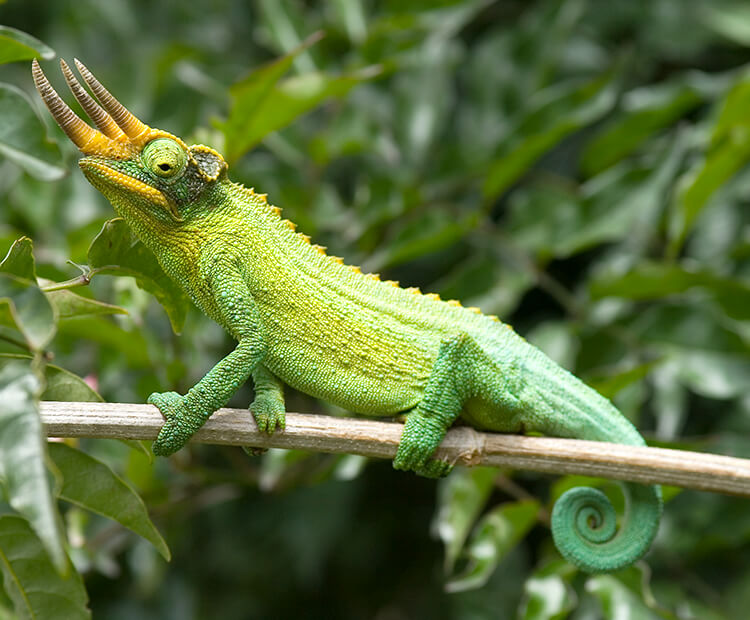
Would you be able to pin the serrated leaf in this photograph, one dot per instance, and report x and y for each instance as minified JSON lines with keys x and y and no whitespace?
{"x":17,"y":45}
{"x":116,"y":251}
{"x":495,"y":535}
{"x":19,"y":261}
{"x":23,"y":139}
{"x":92,"y":485}
{"x":31,"y":581}
{"x":29,"y":310}
{"x":22,"y":456}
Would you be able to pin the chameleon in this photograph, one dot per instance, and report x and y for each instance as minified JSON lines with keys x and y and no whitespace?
{"x":308,"y":320}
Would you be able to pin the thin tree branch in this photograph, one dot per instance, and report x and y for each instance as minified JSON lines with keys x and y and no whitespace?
{"x":373,"y":438}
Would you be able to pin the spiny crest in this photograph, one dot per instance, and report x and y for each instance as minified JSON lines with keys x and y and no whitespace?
{"x":289,"y":224}
{"x":392,"y":282}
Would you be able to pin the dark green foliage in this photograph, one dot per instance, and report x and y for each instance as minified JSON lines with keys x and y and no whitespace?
{"x":579,"y":168}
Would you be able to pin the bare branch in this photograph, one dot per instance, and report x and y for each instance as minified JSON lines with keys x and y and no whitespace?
{"x":374,"y":438}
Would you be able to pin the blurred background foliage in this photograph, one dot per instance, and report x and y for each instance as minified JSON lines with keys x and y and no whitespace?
{"x":577,"y":167}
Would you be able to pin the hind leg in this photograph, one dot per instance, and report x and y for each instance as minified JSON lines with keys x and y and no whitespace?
{"x":451,"y":383}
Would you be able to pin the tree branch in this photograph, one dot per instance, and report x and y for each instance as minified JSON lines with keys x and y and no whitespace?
{"x":372,"y":438}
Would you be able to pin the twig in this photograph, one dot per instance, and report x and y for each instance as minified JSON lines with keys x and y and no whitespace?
{"x":374,"y":438}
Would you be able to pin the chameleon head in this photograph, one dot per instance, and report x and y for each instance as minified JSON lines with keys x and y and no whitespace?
{"x":152,"y":178}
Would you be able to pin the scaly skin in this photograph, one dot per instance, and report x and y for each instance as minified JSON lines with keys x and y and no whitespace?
{"x":303,"y":318}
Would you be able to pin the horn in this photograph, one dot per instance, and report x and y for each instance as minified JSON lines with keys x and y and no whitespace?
{"x":129,"y":124}
{"x":101,"y":119}
{"x":86,"y":138}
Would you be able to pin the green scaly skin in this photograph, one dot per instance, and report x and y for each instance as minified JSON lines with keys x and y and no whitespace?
{"x":305,"y":319}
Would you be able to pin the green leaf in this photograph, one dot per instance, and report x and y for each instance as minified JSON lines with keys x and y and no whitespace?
{"x":461,"y":497}
{"x":559,"y":114}
{"x":23,"y":138}
{"x":249,"y":95}
{"x":28,"y":310}
{"x":59,"y":384}
{"x":729,"y":150}
{"x":92,"y":485}
{"x":68,"y":304}
{"x":495,"y":535}
{"x":30,"y":579}
{"x":548,"y":594}
{"x":19,"y":261}
{"x":116,"y":251}
{"x":645,"y":111}
{"x":16,"y":45}
{"x":22,"y":457}
{"x":649,"y":280}
{"x":625,"y":595}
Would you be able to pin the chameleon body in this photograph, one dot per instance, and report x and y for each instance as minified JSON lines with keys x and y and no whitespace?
{"x":303,"y":318}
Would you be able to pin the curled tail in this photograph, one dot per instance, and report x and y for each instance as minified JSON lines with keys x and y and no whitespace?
{"x":584,"y":526}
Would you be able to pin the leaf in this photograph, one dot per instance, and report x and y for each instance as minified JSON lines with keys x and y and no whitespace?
{"x":19,"y":261}
{"x":68,"y":304}
{"x":116,"y":251}
{"x":29,"y":310}
{"x":625,"y":595}
{"x":461,"y":497}
{"x":17,"y":45}
{"x":22,"y":457}
{"x":645,"y":111}
{"x":92,"y":485}
{"x":30,"y":579}
{"x":558,"y":115}
{"x":729,"y":150}
{"x":649,"y":280}
{"x":249,"y":94}
{"x":548,"y":594}
{"x":23,"y":138}
{"x":59,"y":384}
{"x":495,"y":535}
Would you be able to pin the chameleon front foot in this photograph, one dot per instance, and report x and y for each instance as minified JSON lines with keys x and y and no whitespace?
{"x":178,"y":427}
{"x":422,"y":435}
{"x":269,"y":412}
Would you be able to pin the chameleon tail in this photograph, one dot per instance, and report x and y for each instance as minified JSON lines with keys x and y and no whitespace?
{"x":584,"y":527}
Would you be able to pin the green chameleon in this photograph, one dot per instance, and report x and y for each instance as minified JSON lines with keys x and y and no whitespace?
{"x":306,"y":319}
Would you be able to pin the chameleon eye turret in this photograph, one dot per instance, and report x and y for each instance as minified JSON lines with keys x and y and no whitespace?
{"x":164,"y":158}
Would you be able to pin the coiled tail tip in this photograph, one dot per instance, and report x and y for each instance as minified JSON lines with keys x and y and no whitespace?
{"x":584,"y":527}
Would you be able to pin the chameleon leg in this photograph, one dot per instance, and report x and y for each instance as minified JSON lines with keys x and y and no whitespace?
{"x":186,"y":414}
{"x":268,"y":407}
{"x":448,"y":387}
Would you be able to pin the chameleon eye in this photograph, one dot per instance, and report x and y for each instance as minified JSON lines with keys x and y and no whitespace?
{"x":164,"y":157}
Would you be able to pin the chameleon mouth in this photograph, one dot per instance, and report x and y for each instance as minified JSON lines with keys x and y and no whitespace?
{"x":102,"y":175}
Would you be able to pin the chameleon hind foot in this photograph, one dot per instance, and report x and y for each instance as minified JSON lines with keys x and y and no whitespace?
{"x":422,"y":435}
{"x":269,"y":412}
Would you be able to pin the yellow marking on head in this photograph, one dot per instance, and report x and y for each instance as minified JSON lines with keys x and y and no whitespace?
{"x":132,"y":185}
{"x":263,"y":197}
{"x":276,"y":211}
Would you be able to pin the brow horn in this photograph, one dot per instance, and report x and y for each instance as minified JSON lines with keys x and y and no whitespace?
{"x":86,"y":138}
{"x":101,"y":119}
{"x":126,"y":121}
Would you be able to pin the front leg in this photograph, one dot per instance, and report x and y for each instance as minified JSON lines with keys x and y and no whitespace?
{"x":186,"y":414}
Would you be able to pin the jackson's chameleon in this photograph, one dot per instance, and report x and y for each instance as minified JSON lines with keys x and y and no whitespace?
{"x":306,"y":319}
